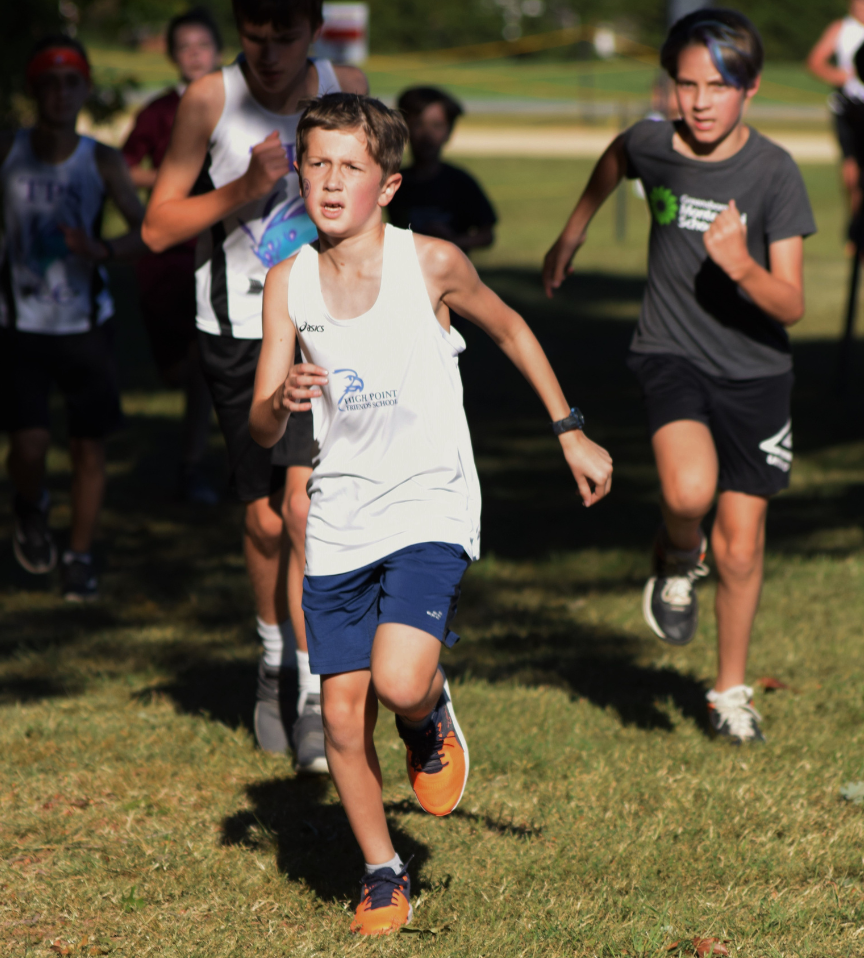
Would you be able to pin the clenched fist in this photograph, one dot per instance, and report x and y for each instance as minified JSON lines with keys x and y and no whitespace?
{"x":726,"y":243}
{"x":267,"y":165}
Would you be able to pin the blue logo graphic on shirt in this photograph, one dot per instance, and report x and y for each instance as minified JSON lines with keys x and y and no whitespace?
{"x":353,"y":384}
{"x":284,"y":232}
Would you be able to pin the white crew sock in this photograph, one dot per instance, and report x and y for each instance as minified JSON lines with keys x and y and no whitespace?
{"x":306,"y":681}
{"x":271,"y":638}
{"x":395,"y":863}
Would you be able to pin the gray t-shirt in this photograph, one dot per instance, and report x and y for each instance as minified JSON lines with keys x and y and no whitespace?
{"x":691,"y":307}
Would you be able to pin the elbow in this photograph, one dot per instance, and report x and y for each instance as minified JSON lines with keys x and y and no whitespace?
{"x":795,"y":312}
{"x":152,"y":238}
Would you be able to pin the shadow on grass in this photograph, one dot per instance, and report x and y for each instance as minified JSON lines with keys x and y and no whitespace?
{"x":309,"y":835}
{"x":178,"y":570}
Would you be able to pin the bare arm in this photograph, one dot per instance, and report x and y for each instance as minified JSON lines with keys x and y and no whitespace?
{"x":780,"y":290}
{"x":118,"y":187}
{"x":452,"y":280}
{"x":819,"y":59}
{"x":351,"y":80}
{"x":173,"y":216}
{"x":280,"y":387}
{"x":607,"y":174}
{"x":144,"y":177}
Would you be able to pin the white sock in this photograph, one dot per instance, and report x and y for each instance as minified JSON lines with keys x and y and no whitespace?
{"x":306,"y":681}
{"x":271,"y":637}
{"x":395,"y":863}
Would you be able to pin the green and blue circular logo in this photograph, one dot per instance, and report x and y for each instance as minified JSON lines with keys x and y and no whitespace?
{"x":664,"y":205}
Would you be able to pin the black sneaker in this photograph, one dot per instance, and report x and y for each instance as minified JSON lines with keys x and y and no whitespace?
{"x":669,"y":602}
{"x":308,"y":736}
{"x":31,"y":541}
{"x":274,"y":711}
{"x":732,"y":716}
{"x":78,"y":578}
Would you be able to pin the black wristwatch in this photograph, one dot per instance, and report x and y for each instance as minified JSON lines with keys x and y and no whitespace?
{"x":574,"y":421}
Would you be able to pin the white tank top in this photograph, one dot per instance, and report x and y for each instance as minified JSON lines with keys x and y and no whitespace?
{"x":392,"y":460}
{"x":234,"y":255}
{"x":46,"y":289}
{"x":849,"y":39}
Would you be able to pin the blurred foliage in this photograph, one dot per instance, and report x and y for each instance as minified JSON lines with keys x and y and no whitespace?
{"x":789,"y":28}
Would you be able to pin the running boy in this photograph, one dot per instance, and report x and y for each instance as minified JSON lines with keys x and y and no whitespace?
{"x":394,"y":519}
{"x":55,"y":307}
{"x":711,"y":351}
{"x":227,"y":176}
{"x":166,"y":281}
{"x":435,"y":198}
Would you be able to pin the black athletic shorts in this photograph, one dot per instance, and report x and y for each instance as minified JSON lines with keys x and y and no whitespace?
{"x":83,"y":367}
{"x":255,"y":472}
{"x":749,"y":419}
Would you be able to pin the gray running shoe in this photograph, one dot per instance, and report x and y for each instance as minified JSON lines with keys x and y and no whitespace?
{"x":274,"y":714}
{"x":78,"y":578}
{"x":732,"y":715}
{"x":669,"y":602}
{"x":308,"y":736}
{"x":31,"y":541}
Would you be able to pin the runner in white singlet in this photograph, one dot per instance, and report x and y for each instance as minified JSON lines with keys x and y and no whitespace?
{"x":228,"y":179}
{"x":395,"y":510}
{"x":832,"y":60}
{"x":55,"y":307}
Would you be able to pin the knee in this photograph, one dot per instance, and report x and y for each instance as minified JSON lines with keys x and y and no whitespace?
{"x":344,"y":722}
{"x":400,"y":688}
{"x":88,"y":455}
{"x":295,"y":509}
{"x":687,"y":496}
{"x":738,"y":556}
{"x":263,"y":526}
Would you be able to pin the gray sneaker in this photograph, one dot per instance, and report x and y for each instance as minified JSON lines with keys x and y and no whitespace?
{"x":308,"y":736}
{"x":274,"y":711}
{"x":31,"y":541}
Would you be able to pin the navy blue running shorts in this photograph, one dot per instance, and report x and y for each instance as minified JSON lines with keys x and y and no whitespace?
{"x":417,"y":586}
{"x":750,"y":419}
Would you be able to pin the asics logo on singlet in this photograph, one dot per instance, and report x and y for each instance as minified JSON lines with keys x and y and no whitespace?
{"x":778,"y":448}
{"x":309,"y":328}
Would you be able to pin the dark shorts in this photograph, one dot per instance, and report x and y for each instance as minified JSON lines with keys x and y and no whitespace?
{"x":82,"y":366}
{"x":750,"y":419}
{"x":166,"y":284}
{"x":255,"y":472}
{"x":417,"y":586}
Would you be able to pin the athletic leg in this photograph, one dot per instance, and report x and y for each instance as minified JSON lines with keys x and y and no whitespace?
{"x":33,"y":544}
{"x":88,"y":491}
{"x":350,"y":710}
{"x":28,"y":449}
{"x":738,"y":546}
{"x":687,"y":466}
{"x":265,"y":550}
{"x":295,"y":509}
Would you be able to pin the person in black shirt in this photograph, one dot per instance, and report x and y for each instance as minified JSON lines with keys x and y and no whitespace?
{"x":435,"y":198}
{"x":711,"y":350}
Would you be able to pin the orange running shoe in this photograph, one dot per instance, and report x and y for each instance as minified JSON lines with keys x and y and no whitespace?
{"x":385,"y":904}
{"x":437,"y":758}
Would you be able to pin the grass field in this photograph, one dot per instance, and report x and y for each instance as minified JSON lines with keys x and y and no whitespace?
{"x":620,"y":78}
{"x":137,"y":817}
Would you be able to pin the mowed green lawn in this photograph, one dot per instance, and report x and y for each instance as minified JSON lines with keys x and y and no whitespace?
{"x":138,"y":818}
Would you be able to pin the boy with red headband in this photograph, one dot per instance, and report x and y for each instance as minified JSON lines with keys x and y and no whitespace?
{"x":228,"y":177}
{"x":55,"y":311}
